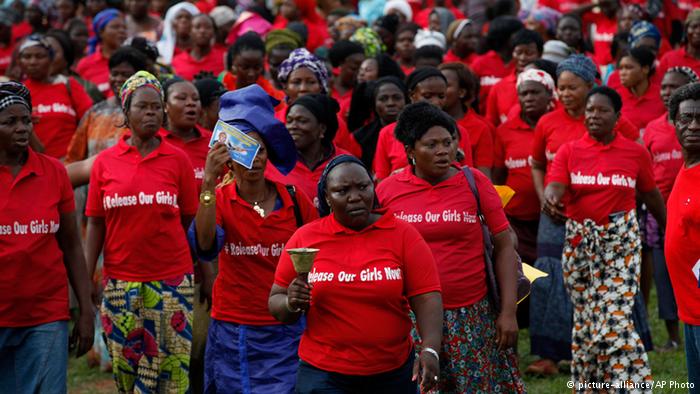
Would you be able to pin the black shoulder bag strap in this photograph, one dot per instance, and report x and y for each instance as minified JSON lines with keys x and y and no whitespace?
{"x":297,"y":211}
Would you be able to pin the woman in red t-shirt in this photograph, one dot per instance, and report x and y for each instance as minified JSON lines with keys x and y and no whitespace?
{"x":142,"y":197}
{"x":245,"y":65}
{"x":246,"y":221}
{"x":40,"y":253}
{"x":689,"y":54}
{"x":601,"y":174}
{"x":462,"y":89}
{"x":434,"y":196}
{"x":463,"y":38}
{"x":369,"y":269}
{"x":641,"y":102}
{"x":204,"y":55}
{"x":58,"y":102}
{"x":405,"y":48}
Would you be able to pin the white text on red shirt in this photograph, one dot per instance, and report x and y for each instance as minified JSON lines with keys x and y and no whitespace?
{"x":615,"y":179}
{"x":33,"y":227}
{"x":160,"y":198}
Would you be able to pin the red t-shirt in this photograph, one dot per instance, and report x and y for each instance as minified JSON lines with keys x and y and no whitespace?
{"x":667,"y":158}
{"x":304,"y":178}
{"x":558,"y":127}
{"x":186,"y":66}
{"x":391,"y":154}
{"x":481,"y":137}
{"x":59,"y":110}
{"x":602,"y":179}
{"x":6,"y":58}
{"x":196,"y":149}
{"x":142,"y":200}
{"x":95,"y":68}
{"x":601,"y":30}
{"x":514,"y":151}
{"x":677,"y":58}
{"x":451,"y":57}
{"x":490,"y":69}
{"x":34,"y":282}
{"x":358,"y":321}
{"x":251,"y":251}
{"x":682,"y":245}
{"x":615,"y":83}
{"x":564,"y":6}
{"x":644,"y":109}
{"x":445,"y":215}
{"x":502,"y":98}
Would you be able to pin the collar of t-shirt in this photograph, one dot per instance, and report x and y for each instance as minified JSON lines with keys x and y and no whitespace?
{"x":407,"y":176}
{"x":161,"y":150}
{"x":517,"y":123}
{"x":283,"y":198}
{"x":31,"y":167}
{"x":386,"y":221}
{"x":589,"y":142}
{"x":166,"y":134}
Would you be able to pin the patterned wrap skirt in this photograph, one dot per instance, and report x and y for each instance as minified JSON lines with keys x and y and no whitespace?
{"x":148,"y":326}
{"x":470,"y":361}
{"x":601,"y":272}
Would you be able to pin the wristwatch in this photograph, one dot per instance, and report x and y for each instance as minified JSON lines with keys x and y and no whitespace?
{"x":207,"y":198}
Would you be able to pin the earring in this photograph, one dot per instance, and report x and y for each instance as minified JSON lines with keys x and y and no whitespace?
{"x":412,"y":161}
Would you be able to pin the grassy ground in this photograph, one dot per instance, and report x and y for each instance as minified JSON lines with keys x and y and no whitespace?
{"x":665,"y":367}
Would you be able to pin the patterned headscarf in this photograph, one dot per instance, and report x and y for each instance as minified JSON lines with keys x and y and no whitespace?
{"x":580,"y":65}
{"x":370,"y":41}
{"x":139,"y":80}
{"x":17,"y":89}
{"x":548,"y":17}
{"x":36,"y":40}
{"x":641,"y":29}
{"x":101,"y":21}
{"x":299,"y":58}
{"x":535,"y":75}
{"x":8,"y":99}
{"x":284,"y":37}
{"x":683,"y":70}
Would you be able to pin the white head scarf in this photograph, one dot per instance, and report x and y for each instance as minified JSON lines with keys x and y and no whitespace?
{"x":166,"y":45}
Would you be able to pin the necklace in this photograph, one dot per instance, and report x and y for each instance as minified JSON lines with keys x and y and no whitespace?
{"x":257,"y":208}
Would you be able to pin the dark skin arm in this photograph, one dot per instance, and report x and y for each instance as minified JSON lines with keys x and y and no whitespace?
{"x":538,"y":170}
{"x":552,"y":201}
{"x":428,"y":310}
{"x":655,"y":203}
{"x":93,"y":247}
{"x":79,"y":171}
{"x":74,"y":261}
{"x":507,"y":276}
{"x":299,"y":295}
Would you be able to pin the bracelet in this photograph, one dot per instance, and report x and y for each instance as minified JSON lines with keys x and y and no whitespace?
{"x":431,"y":351}
{"x":289,"y":307}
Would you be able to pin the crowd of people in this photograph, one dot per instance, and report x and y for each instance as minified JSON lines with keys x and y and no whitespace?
{"x":381,"y":128}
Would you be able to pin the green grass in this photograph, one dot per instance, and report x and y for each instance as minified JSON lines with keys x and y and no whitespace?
{"x":665,"y":367}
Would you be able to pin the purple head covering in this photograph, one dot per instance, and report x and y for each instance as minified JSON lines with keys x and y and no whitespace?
{"x":101,"y":21}
{"x":299,"y":58}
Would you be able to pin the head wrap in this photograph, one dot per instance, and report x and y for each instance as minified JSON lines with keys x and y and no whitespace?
{"x":420,"y":75}
{"x":35,"y":40}
{"x":222,"y":15}
{"x":166,"y":45}
{"x":139,"y":80}
{"x":303,"y":58}
{"x":251,"y":109}
{"x":17,"y":89}
{"x":370,"y":41}
{"x":446,"y":17}
{"x":428,"y":37}
{"x":693,"y":16}
{"x":323,"y":208}
{"x":284,"y":37}
{"x":641,"y":29}
{"x":556,"y":51}
{"x":99,"y":23}
{"x":683,"y":70}
{"x":9,"y":98}
{"x":209,"y":90}
{"x":347,"y":25}
{"x":546,"y":16}
{"x":541,"y":77}
{"x":456,"y":28}
{"x":580,"y":65}
{"x":401,"y":6}
{"x":325,"y":109}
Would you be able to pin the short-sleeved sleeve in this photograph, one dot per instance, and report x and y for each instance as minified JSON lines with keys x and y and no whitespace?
{"x":381,"y":164}
{"x":499,"y":152}
{"x":625,"y":127}
{"x":483,"y":150}
{"x":93,"y":206}
{"x":560,"y":171}
{"x":491,"y":204}
{"x":285,"y":273}
{"x":67,"y":202}
{"x":420,"y":271}
{"x":188,"y":189}
{"x":539,"y":144}
{"x":645,"y":177}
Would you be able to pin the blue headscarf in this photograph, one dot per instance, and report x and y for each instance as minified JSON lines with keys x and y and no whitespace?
{"x":252,"y":109}
{"x":580,"y":65}
{"x":641,"y":29}
{"x":99,"y":23}
{"x":323,"y":208}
